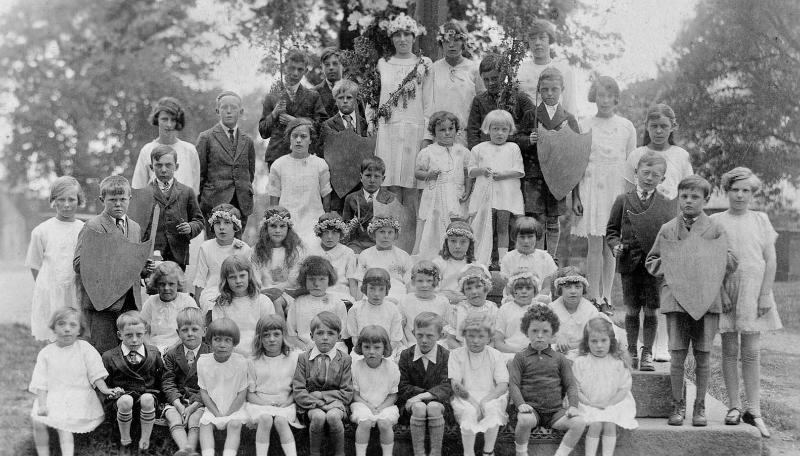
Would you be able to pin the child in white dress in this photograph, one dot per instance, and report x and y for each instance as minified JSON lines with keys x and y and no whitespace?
{"x":222,"y":378}
{"x":277,"y":255}
{"x":161,"y":310}
{"x":375,"y":309}
{"x":64,"y":378}
{"x":50,"y":256}
{"x":497,"y":167}
{"x":269,"y":385}
{"x":604,"y":386}
{"x":479,"y":377}
{"x":442,"y":167}
{"x":527,"y":231}
{"x":475,"y":282}
{"x":385,"y":255}
{"x":425,"y":277}
{"x":240,"y":301}
{"x":226,"y":221}
{"x":508,"y":336}
{"x":458,"y":250}
{"x":613,"y":139}
{"x":375,"y":384}
{"x":331,"y":230}
{"x":316,"y":273}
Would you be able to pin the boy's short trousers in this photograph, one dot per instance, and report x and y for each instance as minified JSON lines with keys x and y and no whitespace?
{"x":538,"y":199}
{"x":110,"y":405}
{"x":548,"y":419}
{"x":640,"y":289}
{"x":682,"y":329}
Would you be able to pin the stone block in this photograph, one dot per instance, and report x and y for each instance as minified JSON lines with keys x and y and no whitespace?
{"x":652,"y":392}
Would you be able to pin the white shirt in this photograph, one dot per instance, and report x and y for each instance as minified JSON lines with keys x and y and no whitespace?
{"x":187,"y":350}
{"x":643,"y":195}
{"x":315,"y":352}
{"x":126,"y":351}
{"x":165,"y":187}
{"x":352,"y":119}
{"x":551,"y":110}
{"x":368,"y":195}
{"x":227,"y":130}
{"x":429,"y":357}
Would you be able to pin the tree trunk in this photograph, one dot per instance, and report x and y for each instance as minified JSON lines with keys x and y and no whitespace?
{"x":431,"y":14}
{"x":346,"y":36}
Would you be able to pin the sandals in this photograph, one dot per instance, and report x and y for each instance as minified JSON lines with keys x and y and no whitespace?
{"x":734,"y":416}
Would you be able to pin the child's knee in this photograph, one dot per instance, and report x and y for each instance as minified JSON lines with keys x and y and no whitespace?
{"x":173,"y":417}
{"x":194,"y":419}
{"x":280,"y":421}
{"x":385,"y":426}
{"x":526,"y":421}
{"x":435,"y":409}
{"x":125,"y":403}
{"x":148,"y":402}
{"x":577,"y":422}
{"x":234,"y":425}
{"x":419,"y":410}
{"x":265,"y":420}
{"x":334,"y":417}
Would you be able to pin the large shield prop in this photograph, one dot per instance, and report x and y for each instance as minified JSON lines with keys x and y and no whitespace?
{"x":110,"y":266}
{"x":397,"y":211}
{"x":141,"y":207}
{"x":646,"y":224}
{"x":694,"y":269}
{"x":344,"y":152}
{"x":563,"y":156}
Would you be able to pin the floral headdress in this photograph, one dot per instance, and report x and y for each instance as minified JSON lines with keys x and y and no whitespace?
{"x":277,"y":218}
{"x":571,"y":279}
{"x":427,"y":268}
{"x":524,"y":274}
{"x":454,"y":231}
{"x":475,"y":271}
{"x":450,"y":35}
{"x":380,"y":222}
{"x":219,"y":216}
{"x":401,"y":22}
{"x":332,"y":224}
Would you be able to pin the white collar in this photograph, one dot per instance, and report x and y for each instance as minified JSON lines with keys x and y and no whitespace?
{"x":551,"y":110}
{"x":640,"y":190}
{"x":126,"y":351}
{"x":164,"y":186}
{"x":373,"y":195}
{"x":431,"y":355}
{"x":225,"y":129}
{"x":187,"y":350}
{"x":315,"y":352}
{"x":330,"y":84}
{"x":352,"y":116}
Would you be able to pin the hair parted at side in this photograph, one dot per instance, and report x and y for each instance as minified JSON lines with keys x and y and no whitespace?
{"x":232,"y":265}
{"x":63,"y":184}
{"x":224,"y":327}
{"x":539,"y":312}
{"x":228,"y":93}
{"x":653,"y":158}
{"x":550,"y":74}
{"x":297,"y":55}
{"x":297,"y":123}
{"x":161,"y":150}
{"x":327,"y":319}
{"x":166,"y":269}
{"x":538,"y":26}
{"x":428,"y":319}
{"x":740,"y":173}
{"x":695,"y":182}
{"x":132,"y":317}
{"x":190,"y":316}
{"x":373,"y":334}
{"x":654,"y":113}
{"x":172,"y":107}
{"x":115,"y":185}
{"x":490,"y":62}
{"x":606,"y":82}
{"x":477,"y":322}
{"x":343,"y":86}
{"x":267,"y":323}
{"x":373,"y":163}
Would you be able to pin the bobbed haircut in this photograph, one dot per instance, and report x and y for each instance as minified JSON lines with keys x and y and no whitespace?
{"x":327,"y":319}
{"x":161,"y":150}
{"x":740,"y":173}
{"x":376,"y":277}
{"x":373,"y":334}
{"x":440,"y":117}
{"x":519,"y":282}
{"x":61,"y":314}
{"x":695,"y":182}
{"x":266,"y":323}
{"x":527,"y":226}
{"x":131,"y":317}
{"x":373,"y":164}
{"x":224,"y":327}
{"x":428,"y":319}
{"x":172,"y":107}
{"x":315,"y":266}
{"x":115,"y":185}
{"x":166,"y":269}
{"x":654,"y":113}
{"x":190,"y":316}
{"x":606,"y":82}
{"x":61,"y":185}
{"x":542,"y":26}
{"x":498,"y":117}
{"x":652,"y":158}
{"x":297,"y":123}
{"x":539,"y":312}
{"x":477,"y":323}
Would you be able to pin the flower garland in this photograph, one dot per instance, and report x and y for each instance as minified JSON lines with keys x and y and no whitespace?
{"x":380,"y":222}
{"x":407,"y":90}
{"x":460,"y":232}
{"x":431,"y":271}
{"x":571,"y":279}
{"x":278,"y":218}
{"x":226,"y":216}
{"x":332,"y":224}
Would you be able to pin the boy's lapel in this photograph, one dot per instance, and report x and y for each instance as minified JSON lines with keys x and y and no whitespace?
{"x":108,"y":223}
{"x":338,"y":123}
{"x":299,"y":96}
{"x":223,"y":139}
{"x":122,"y":365}
{"x":702,"y":224}
{"x":634,"y":203}
{"x":175,"y":192}
{"x":559,"y":117}
{"x":240,"y":145}
{"x":158,"y":195}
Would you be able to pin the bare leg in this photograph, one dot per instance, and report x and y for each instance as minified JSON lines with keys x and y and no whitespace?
{"x":594,"y":266}
{"x":42,"y":439}
{"x":234,"y":428}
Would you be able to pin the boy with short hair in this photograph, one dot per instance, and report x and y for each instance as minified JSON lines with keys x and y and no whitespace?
{"x":134,"y":372}
{"x":227,"y":162}
{"x":539,"y":378}
{"x":630,"y":244}
{"x":692,"y":255}
{"x":181,"y":393}
{"x":424,"y":385}
{"x":539,"y":200}
{"x":101,"y":317}
{"x":332,"y":70}
{"x":323,"y":385}
{"x":292,"y":102}
{"x":358,"y":207}
{"x":180,"y":218}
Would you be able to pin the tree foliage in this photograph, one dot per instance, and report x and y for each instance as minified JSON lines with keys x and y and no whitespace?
{"x":85,"y":74}
{"x":735,"y":88}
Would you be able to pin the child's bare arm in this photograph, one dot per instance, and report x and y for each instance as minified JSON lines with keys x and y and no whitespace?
{"x":253,"y":398}
{"x":209,"y":403}
{"x":41,"y":396}
{"x":357,"y":398}
{"x":500,"y":343}
{"x":388,"y":402}
{"x":238,"y":402}
{"x":102,"y":387}
{"x":452,"y":342}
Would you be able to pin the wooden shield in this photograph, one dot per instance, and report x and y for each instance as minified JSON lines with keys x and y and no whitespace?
{"x":344,"y":151}
{"x":110,"y":266}
{"x":563,"y":156}
{"x":397,"y":211}
{"x":141,"y":207}
{"x":646,"y":224}
{"x":694,"y":269}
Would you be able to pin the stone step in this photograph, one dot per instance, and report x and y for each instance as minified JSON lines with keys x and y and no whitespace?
{"x":652,"y":392}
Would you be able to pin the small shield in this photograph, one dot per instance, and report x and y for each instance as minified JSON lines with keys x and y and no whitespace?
{"x":646,"y":224}
{"x":694,"y":269}
{"x":563,"y":156}
{"x":344,"y":152}
{"x":110,"y":266}
{"x":397,"y":211}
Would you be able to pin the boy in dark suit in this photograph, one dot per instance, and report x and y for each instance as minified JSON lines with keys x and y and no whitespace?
{"x":424,"y":386}
{"x":134,"y":372}
{"x":539,"y":200}
{"x":332,"y":69}
{"x":293,"y":102}
{"x":692,"y":255}
{"x":358,"y":205}
{"x":101,"y":317}
{"x":180,"y":219}
{"x":630,"y":246}
{"x":181,"y":392}
{"x":227,"y":162}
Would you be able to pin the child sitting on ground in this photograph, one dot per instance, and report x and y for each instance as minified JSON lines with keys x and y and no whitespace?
{"x":160,"y":310}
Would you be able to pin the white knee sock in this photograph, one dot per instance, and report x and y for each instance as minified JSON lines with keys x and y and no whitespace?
{"x":609,"y":443}
{"x":563,"y":450}
{"x":591,"y":445}
{"x":208,"y":452}
{"x":229,"y":452}
{"x":521,"y":449}
{"x":289,"y":448}
{"x":468,"y":440}
{"x":387,"y":448}
{"x":361,"y":449}
{"x":262,"y":449}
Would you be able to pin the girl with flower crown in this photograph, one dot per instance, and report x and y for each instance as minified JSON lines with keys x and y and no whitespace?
{"x":384,"y":254}
{"x":226,"y":222}
{"x":331,"y":230}
{"x":458,"y":250}
{"x":406,"y":104}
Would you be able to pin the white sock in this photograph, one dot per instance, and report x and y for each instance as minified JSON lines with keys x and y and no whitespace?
{"x":208,"y":452}
{"x":521,"y":448}
{"x":289,"y":448}
{"x":262,"y":449}
{"x":361,"y":449}
{"x":387,"y":448}
{"x":468,"y":440}
{"x":563,"y":450}
{"x":43,"y":450}
{"x":228,"y":452}
{"x":591,"y":445}
{"x":67,"y":450}
{"x":609,"y":444}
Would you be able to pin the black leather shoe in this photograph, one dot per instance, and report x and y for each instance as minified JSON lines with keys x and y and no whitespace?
{"x":607,"y":308}
{"x":647,"y":362}
{"x":678,"y":413}
{"x":699,"y":414}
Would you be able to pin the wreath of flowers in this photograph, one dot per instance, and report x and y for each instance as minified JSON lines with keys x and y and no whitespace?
{"x":481,"y":274}
{"x":407,"y":90}
{"x":332,"y":224}
{"x":381,"y":222}
{"x":401,"y":22}
{"x":522,"y":275}
{"x":571,"y":279}
{"x":219,"y":216}
{"x":460,"y":232}
{"x":277,"y":218}
{"x":433,"y":272}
